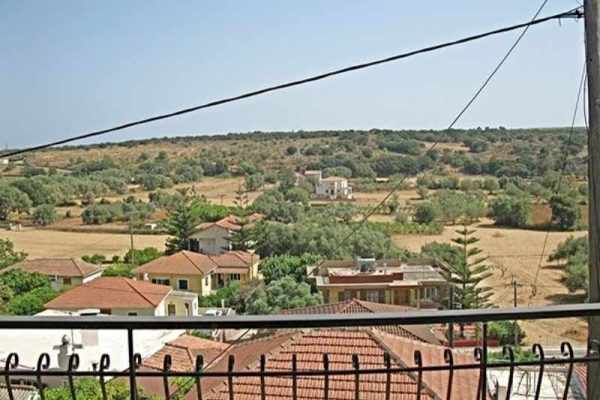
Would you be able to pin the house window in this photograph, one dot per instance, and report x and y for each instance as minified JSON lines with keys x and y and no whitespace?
{"x":132,"y":314}
{"x":187,"y":309}
{"x":66,"y":281}
{"x":161,"y":281}
{"x":171,"y":309}
{"x":373,"y":296}
{"x":183,"y":284}
{"x":234,"y":277}
{"x":430,"y":293}
{"x":206,"y":281}
{"x":105,"y":311}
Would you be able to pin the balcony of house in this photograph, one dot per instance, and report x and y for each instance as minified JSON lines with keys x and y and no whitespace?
{"x":295,"y":356}
{"x":221,"y":279}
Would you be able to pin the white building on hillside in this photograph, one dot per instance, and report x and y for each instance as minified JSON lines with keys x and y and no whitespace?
{"x":334,"y":187}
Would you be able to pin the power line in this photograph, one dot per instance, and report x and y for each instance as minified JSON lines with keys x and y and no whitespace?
{"x":562,"y":172}
{"x":481,"y":88}
{"x":575,"y":12}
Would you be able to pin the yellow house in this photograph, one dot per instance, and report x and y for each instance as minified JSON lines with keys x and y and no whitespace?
{"x":417,"y":283}
{"x":64,"y":273}
{"x":200,"y":273}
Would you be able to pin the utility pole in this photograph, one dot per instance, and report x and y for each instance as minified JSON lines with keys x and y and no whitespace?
{"x":131,"y":240}
{"x":451,"y":325}
{"x":592,"y":58}
{"x":515,"y":324}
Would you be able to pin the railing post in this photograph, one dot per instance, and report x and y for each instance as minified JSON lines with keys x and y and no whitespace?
{"x":484,"y":361}
{"x":132,"y":383}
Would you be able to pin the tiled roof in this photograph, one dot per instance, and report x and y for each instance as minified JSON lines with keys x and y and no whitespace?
{"x":309,"y":348}
{"x":231,"y":222}
{"x":111,"y":292}
{"x":418,"y":332}
{"x":183,"y":351}
{"x":67,"y":267}
{"x":464,"y":384}
{"x":181,"y":263}
{"x":191,"y":263}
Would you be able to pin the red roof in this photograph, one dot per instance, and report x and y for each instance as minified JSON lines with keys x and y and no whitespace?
{"x":67,"y":267}
{"x":422,"y":333}
{"x":231,"y":222}
{"x":309,"y":347}
{"x":191,"y":263}
{"x":111,"y":292}
{"x":464,"y":384}
{"x":183,"y":352}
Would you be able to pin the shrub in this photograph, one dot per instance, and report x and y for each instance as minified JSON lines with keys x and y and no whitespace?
{"x":426,"y":212}
{"x":44,"y":214}
{"x":514,"y":211}
{"x":565,"y":212}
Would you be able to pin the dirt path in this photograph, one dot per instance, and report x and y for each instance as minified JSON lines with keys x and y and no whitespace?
{"x":517,"y":251}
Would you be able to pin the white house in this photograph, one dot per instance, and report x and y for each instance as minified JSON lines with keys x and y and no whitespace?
{"x":215,"y":237}
{"x":334,"y":187}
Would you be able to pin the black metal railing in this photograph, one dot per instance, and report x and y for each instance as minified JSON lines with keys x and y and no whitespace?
{"x":13,"y":375}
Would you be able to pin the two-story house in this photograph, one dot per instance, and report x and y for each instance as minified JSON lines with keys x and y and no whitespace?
{"x":64,"y":273}
{"x":215,"y":237}
{"x":124,"y":296}
{"x":334,"y":187}
{"x":200,"y":273}
{"x":416,"y":283}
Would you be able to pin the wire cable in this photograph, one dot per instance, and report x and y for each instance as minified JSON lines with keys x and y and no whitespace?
{"x":452,"y":124}
{"x":568,"y":144}
{"x":575,"y":12}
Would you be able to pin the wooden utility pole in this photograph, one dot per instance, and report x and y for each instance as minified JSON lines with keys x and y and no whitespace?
{"x":515,"y":305}
{"x":131,"y":241}
{"x":592,"y":46}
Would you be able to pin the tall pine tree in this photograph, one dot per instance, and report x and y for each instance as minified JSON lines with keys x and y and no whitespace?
{"x":181,"y":224}
{"x":243,"y":238}
{"x":468,"y":273}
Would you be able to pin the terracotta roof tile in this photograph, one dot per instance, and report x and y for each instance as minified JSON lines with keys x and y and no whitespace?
{"x":67,"y":267}
{"x":183,"y":351}
{"x":464,"y":384}
{"x":111,"y":292}
{"x":230,"y":222}
{"x":192,"y":263}
{"x":181,"y":263}
{"x":309,"y":348}
{"x":423,"y":333}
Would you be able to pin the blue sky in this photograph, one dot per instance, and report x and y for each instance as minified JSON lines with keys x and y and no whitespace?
{"x":68,"y":67}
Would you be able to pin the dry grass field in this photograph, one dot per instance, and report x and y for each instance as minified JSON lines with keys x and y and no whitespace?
{"x":217,"y":190}
{"x":45,"y":243}
{"x":517,"y":251}
{"x":373,"y":198}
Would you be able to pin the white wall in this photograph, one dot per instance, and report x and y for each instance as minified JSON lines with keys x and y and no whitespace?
{"x":214,"y":240}
{"x":92,"y":277}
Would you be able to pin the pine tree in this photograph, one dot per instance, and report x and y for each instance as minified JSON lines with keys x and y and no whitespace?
{"x":243,"y":238}
{"x":180,"y":224}
{"x":241,"y":199}
{"x":468,"y":273}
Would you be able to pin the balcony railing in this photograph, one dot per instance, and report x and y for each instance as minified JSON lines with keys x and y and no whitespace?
{"x":13,"y":375}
